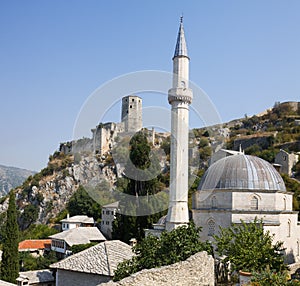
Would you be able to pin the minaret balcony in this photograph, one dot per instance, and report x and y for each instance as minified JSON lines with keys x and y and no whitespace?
{"x":180,"y":94}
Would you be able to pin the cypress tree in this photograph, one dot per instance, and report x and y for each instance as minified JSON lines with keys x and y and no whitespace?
{"x":10,"y":255}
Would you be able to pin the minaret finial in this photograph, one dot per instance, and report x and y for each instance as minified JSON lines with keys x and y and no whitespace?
{"x":181,"y":18}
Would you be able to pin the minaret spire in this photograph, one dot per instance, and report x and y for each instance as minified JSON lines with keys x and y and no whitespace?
{"x":180,"y":97}
{"x":181,"y":49}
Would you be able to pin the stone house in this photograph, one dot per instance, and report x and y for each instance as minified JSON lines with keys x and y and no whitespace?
{"x":92,"y":266}
{"x":36,"y":278}
{"x":77,"y":221}
{"x":286,"y":161}
{"x":107,"y":218}
{"x":63,"y":241}
{"x":36,"y":247}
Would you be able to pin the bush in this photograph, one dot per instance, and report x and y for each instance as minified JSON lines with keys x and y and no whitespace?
{"x":174,"y":246}
{"x":249,"y":248}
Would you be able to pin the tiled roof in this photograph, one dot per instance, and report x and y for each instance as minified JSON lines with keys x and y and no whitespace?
{"x":78,"y":219}
{"x":35,"y":244}
{"x":3,"y":283}
{"x":101,"y":259}
{"x":112,"y":205}
{"x":79,"y":235}
{"x":38,"y":276}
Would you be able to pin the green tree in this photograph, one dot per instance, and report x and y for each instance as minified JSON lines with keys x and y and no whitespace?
{"x":28,"y":216}
{"x":81,"y":203}
{"x":10,"y":262}
{"x":174,"y":246}
{"x":141,"y":159}
{"x":249,"y":248}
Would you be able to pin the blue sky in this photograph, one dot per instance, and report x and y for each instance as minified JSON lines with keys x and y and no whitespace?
{"x":55,"y":53}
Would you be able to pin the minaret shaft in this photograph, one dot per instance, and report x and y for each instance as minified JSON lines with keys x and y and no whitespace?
{"x":180,"y":96}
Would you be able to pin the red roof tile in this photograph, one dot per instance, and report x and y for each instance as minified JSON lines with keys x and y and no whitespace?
{"x":35,"y":244}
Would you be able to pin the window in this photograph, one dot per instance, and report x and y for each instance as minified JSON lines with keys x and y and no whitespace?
{"x":107,"y":212}
{"x":214,"y":202}
{"x":107,"y":223}
{"x":103,"y":212}
{"x":284,"y":204}
{"x":289,"y":229}
{"x":211,"y":227}
{"x":254,"y":203}
{"x":130,"y":106}
{"x":298,"y":250}
{"x":133,"y":100}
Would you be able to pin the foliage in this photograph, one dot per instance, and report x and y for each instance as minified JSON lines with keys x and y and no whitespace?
{"x":29,"y":262}
{"x":293,"y":186}
{"x":268,"y":277}
{"x":174,"y":246}
{"x":141,"y":158}
{"x":38,"y":231}
{"x":248,"y":248}
{"x":10,"y":263}
{"x":81,"y":203}
{"x":80,"y":247}
{"x":28,"y":216}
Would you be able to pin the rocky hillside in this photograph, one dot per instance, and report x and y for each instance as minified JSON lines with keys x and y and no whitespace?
{"x":11,"y":177}
{"x":43,"y":196}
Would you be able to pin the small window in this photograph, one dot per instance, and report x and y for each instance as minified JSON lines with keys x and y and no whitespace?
{"x":107,"y":223}
{"x":298,"y":250}
{"x":133,"y":100}
{"x":211,"y":227}
{"x":284,"y":204}
{"x":130,"y":106}
{"x":289,"y":229}
{"x":254,"y":203}
{"x":214,"y":202}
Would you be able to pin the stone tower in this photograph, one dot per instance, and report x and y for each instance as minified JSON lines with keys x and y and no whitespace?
{"x":132,"y":113}
{"x":180,"y":97}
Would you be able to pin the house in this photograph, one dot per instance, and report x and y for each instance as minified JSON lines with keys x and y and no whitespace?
{"x":77,"y":221}
{"x":286,"y":161}
{"x":63,"y":241}
{"x":36,"y":278}
{"x":36,"y":247}
{"x":247,"y":187}
{"x":107,"y":217}
{"x":222,"y":153}
{"x":92,"y":266}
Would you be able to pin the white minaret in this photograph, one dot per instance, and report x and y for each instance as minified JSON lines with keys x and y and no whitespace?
{"x":180,"y":97}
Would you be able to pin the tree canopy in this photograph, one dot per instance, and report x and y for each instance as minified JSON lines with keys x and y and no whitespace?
{"x":249,"y":248}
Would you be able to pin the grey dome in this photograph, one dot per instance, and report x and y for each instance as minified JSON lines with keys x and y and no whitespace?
{"x":241,"y":171}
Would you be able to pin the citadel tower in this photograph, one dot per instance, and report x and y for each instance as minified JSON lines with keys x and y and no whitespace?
{"x":132,"y":113}
{"x":180,"y":97}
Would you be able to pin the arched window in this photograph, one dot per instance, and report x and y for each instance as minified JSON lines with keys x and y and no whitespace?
{"x":298,"y":250}
{"x":289,"y":229}
{"x":214,"y":202}
{"x":284,"y":204}
{"x":254,"y":203}
{"x":211,"y":227}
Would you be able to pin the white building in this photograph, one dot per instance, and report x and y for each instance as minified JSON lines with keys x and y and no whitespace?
{"x":63,"y":241}
{"x":245,"y":187}
{"x":76,"y":221}
{"x":107,"y":218}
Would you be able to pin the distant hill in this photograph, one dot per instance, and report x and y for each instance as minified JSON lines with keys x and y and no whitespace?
{"x":11,"y":177}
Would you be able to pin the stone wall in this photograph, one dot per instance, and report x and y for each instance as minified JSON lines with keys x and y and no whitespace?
{"x":196,"y":270}
{"x":71,"y":278}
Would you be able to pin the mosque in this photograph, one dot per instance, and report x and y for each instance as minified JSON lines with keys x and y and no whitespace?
{"x":234,"y":188}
